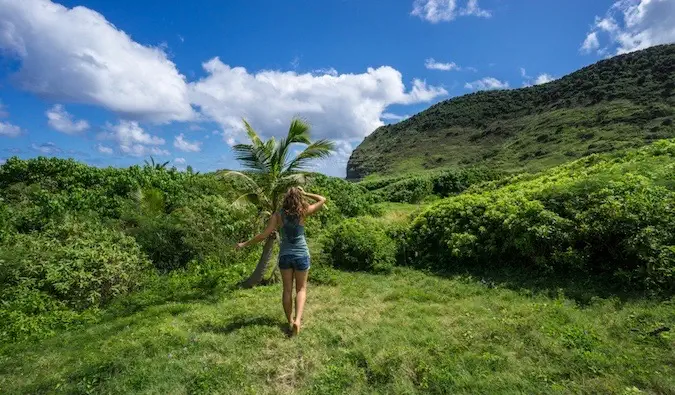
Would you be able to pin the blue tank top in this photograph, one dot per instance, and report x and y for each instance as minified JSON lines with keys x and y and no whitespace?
{"x":293,"y":242}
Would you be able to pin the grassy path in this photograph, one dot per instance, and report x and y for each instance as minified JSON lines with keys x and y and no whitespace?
{"x":405,"y":333}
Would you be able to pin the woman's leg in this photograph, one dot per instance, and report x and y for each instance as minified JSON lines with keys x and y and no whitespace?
{"x":287,"y":297}
{"x":300,"y":297}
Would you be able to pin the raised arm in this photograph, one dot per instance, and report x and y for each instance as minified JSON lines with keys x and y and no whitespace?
{"x":272,"y":225}
{"x":317,"y":205}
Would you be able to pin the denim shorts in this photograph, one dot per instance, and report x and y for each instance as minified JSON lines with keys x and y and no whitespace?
{"x":297,"y":263}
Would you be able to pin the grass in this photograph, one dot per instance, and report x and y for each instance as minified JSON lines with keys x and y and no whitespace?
{"x":405,"y":333}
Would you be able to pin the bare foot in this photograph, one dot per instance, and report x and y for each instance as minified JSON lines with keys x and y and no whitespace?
{"x":296,"y":328}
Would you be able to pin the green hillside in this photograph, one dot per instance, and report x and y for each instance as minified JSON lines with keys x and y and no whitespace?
{"x":626,"y":101}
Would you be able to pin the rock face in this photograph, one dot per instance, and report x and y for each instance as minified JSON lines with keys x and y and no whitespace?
{"x":622,"y":102}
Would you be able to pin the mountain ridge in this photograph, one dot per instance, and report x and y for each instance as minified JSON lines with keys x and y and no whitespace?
{"x":622,"y":102}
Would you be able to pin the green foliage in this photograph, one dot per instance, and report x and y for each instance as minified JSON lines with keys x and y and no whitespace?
{"x":623,"y":102}
{"x":359,"y":244}
{"x":78,"y":264}
{"x":344,"y":200}
{"x":609,"y":215}
{"x":416,"y":188}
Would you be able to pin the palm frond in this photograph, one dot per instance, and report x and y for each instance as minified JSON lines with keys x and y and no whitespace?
{"x":252,"y":157}
{"x":298,"y":133}
{"x":252,"y":135}
{"x":251,"y":197}
{"x":251,"y":187}
{"x":319,"y":149}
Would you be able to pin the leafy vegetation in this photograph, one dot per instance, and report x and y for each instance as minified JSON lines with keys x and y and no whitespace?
{"x":601,"y":215}
{"x":623,"y":102}
{"x":359,"y":245}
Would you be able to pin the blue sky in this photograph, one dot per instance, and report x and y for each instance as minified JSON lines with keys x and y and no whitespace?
{"x":111,"y":83}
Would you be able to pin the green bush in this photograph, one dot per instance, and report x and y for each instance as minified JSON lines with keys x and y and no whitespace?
{"x":78,"y":261}
{"x":359,"y":244}
{"x":61,"y":276}
{"x":409,"y":190}
{"x":604,"y":215}
{"x":344,"y":200}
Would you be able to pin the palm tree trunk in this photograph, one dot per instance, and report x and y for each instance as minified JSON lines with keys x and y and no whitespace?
{"x":261,"y":268}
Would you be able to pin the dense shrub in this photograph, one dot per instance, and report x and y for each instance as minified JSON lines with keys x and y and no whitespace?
{"x":211,"y":225}
{"x":415,"y":188}
{"x":409,"y":190}
{"x":453,"y":181}
{"x":56,"y":277}
{"x":603,"y":215}
{"x":359,"y":244}
{"x":344,"y":200}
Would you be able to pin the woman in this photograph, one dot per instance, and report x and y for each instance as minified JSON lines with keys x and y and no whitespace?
{"x":293,"y":252}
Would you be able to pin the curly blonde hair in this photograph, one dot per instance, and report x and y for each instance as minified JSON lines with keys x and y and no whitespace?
{"x":294,"y":204}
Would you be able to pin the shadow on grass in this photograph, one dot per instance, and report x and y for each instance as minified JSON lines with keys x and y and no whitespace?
{"x":580,"y":287}
{"x":246,"y":322}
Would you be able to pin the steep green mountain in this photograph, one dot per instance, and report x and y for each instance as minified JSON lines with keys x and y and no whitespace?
{"x":626,"y":101}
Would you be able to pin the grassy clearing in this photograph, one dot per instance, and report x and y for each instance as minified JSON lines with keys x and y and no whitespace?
{"x":404,"y":333}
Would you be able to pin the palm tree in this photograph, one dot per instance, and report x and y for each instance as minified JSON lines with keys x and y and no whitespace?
{"x":272,"y":172}
{"x":156,"y":165}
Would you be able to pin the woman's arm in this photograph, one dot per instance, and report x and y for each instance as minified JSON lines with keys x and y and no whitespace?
{"x":313,"y":208}
{"x":272,"y":225}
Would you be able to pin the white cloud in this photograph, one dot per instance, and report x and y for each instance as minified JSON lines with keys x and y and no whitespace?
{"x":90,"y":61}
{"x":104,"y":150}
{"x":329,"y":71}
{"x":46,"y":148}
{"x":179,"y":161}
{"x":345,"y":106}
{"x":591,"y":43}
{"x":631,"y":25}
{"x":487,"y":83}
{"x":61,"y":120}
{"x":435,"y":11}
{"x":336,"y":164}
{"x":185,"y":145}
{"x":432,"y":64}
{"x":543,"y":78}
{"x":195,"y":128}
{"x":523,"y":73}
{"x":394,"y":117}
{"x":9,"y":130}
{"x":472,"y":8}
{"x":133,"y":140}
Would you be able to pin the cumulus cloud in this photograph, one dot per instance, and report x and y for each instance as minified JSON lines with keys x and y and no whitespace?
{"x":46,"y":148}
{"x":435,"y":11}
{"x":487,"y":83}
{"x":387,"y":116}
{"x":432,"y":64}
{"x":59,"y":119}
{"x":179,"y":161}
{"x":336,"y":164}
{"x":133,"y":140}
{"x":631,"y":25}
{"x":543,"y":79}
{"x":345,"y":106}
{"x":591,"y":43}
{"x":90,"y":61}
{"x":185,"y":145}
{"x":104,"y":150}
{"x":9,"y":130}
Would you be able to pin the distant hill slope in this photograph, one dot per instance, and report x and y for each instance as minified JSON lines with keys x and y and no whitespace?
{"x":622,"y":102}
